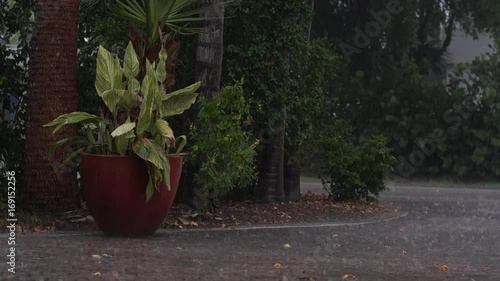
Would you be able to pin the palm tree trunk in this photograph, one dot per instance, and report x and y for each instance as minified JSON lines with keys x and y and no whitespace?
{"x":52,"y":92}
{"x":208,"y":70}
{"x":210,"y":47}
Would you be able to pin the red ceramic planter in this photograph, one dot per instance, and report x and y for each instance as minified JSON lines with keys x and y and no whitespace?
{"x":114,"y":188}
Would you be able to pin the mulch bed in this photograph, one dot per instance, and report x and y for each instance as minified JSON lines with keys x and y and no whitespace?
{"x":311,"y":208}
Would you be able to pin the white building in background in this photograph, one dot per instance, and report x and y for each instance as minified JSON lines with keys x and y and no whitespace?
{"x":465,"y":48}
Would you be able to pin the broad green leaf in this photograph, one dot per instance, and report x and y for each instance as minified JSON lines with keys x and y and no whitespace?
{"x":164,"y":129}
{"x":134,"y":86}
{"x":149,"y":190}
{"x":189,"y":89}
{"x":163,"y":55}
{"x":161,"y":70}
{"x":150,"y":151}
{"x":177,"y":104}
{"x":79,"y":140}
{"x":123,"y":129}
{"x":108,"y":72}
{"x":73,"y":118}
{"x":166,"y":174}
{"x":111,"y":98}
{"x":69,"y":158}
{"x":181,"y":143}
{"x":130,"y":62}
{"x":122,"y":143}
{"x":145,"y":118}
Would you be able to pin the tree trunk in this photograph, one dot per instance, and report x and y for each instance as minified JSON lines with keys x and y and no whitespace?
{"x":210,"y":48}
{"x":292,"y":179}
{"x":52,"y":92}
{"x":208,"y":70}
{"x":270,"y":185}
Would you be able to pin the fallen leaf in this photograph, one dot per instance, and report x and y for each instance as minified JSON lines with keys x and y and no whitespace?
{"x":207,"y":215}
{"x":223,"y":225}
{"x":97,"y":257}
{"x":287,"y":246}
{"x":277,"y":265}
{"x":179,"y":248}
{"x":96,"y":274}
{"x":405,"y":253}
{"x":443,"y":267}
{"x":193,"y":223}
{"x":348,"y":276}
{"x":38,"y":228}
{"x":402,"y":229}
{"x":183,"y":221}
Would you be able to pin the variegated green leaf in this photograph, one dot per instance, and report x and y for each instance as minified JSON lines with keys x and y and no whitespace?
{"x":108,"y":72}
{"x":78,"y":140}
{"x":122,"y":143}
{"x":163,"y":55}
{"x":130,"y":62}
{"x":145,"y":115}
{"x":149,"y":190}
{"x":123,"y":129}
{"x":73,"y":118}
{"x":111,"y":98}
{"x":181,"y":143}
{"x":134,"y":86}
{"x":164,"y":129}
{"x":161,"y":71}
{"x":150,"y":151}
{"x":189,"y":89}
{"x":177,"y":104}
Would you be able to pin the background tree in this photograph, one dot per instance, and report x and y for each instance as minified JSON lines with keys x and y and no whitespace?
{"x":52,"y":92}
{"x":15,"y":35}
{"x":391,"y":84}
{"x":210,"y":46}
{"x":273,"y":55}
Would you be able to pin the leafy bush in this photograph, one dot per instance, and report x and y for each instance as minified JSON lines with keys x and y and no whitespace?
{"x":15,"y":28}
{"x":222,"y":144}
{"x":353,"y":172}
{"x":472,"y":148}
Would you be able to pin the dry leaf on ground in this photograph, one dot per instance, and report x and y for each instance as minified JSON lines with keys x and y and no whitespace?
{"x":443,"y":267}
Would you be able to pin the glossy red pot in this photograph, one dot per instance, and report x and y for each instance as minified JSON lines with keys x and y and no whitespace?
{"x":114,"y":188}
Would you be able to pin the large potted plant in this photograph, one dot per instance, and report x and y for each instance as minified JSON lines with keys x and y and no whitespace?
{"x":130,"y":159}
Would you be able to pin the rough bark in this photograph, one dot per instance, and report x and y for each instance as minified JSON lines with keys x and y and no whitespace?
{"x":270,"y":185}
{"x":210,"y":47}
{"x":292,"y":180}
{"x":209,"y":54}
{"x":52,"y":92}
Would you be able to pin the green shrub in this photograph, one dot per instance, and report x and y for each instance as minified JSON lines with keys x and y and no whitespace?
{"x":353,"y":172}
{"x":222,"y":143}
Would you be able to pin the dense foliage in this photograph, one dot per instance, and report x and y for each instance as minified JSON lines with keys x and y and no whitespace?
{"x":95,"y":28}
{"x":474,"y":146}
{"x":15,"y":35}
{"x":222,"y":143}
{"x":394,"y":59}
{"x":349,"y":171}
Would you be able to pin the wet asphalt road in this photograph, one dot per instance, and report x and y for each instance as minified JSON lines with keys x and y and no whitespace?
{"x":457,"y":229}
